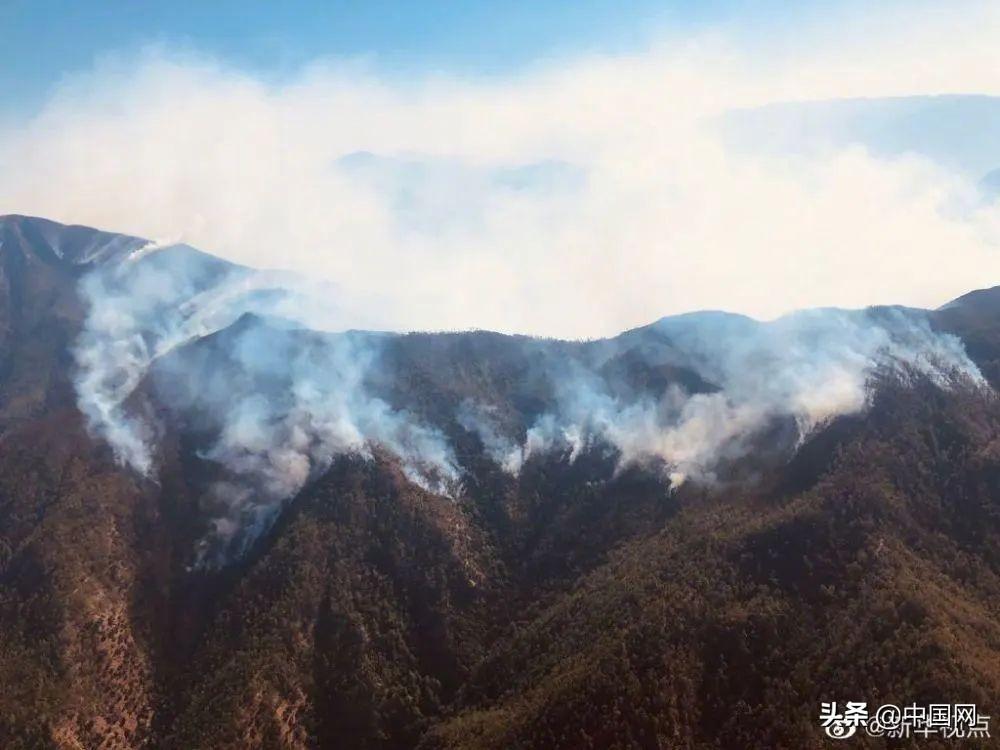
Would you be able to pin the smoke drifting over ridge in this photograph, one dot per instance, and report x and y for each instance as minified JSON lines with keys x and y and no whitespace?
{"x":243,"y":361}
{"x":510,"y":202}
{"x":226,"y":348}
{"x":806,"y":367}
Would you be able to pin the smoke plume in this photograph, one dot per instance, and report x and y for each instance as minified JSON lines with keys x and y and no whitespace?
{"x":242,"y":362}
{"x":803,"y":369}
{"x":229,"y":354}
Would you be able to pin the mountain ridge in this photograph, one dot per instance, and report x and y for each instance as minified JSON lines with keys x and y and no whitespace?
{"x":579,"y":601}
{"x":81,"y":237}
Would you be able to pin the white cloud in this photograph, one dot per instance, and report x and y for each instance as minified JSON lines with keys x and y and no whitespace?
{"x":455,"y":222}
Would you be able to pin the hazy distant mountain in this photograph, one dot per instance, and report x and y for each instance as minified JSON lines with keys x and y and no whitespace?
{"x":990,"y":184}
{"x":955,"y":131}
{"x":222,"y":528}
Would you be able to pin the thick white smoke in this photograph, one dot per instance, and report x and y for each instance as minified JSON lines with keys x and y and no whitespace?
{"x":282,"y":402}
{"x":228,"y":347}
{"x":808,"y":367}
{"x":237,"y":359}
{"x":138,"y":310}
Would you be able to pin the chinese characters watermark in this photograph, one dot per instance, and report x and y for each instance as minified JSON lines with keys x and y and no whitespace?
{"x":944,"y":720}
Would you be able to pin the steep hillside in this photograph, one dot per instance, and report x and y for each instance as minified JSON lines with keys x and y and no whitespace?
{"x":555,"y":589}
{"x":973,"y":317}
{"x":730,"y":624}
{"x":74,"y":649}
{"x":39,"y":310}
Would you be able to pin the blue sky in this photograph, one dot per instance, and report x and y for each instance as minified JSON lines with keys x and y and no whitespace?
{"x":44,"y":39}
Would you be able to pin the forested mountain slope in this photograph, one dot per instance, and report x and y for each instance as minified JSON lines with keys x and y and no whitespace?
{"x":575,"y":601}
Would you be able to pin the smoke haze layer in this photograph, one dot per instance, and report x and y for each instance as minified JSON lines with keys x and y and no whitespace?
{"x":525,"y":202}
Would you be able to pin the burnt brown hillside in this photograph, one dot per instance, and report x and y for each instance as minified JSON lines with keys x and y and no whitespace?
{"x":570,"y":606}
